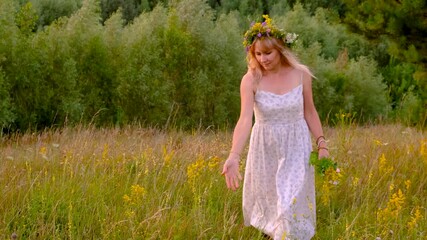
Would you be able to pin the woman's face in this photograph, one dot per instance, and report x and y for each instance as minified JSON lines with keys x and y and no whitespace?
{"x":267,"y":56}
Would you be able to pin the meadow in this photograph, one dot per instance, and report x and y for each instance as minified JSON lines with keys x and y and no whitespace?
{"x":147,"y":183}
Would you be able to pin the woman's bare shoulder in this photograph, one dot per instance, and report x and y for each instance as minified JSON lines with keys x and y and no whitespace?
{"x":248,"y":79}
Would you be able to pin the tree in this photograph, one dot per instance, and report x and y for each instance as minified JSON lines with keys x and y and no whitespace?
{"x":402,"y":26}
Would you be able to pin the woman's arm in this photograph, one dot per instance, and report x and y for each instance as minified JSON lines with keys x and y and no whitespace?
{"x":312,"y":117}
{"x":241,"y":133}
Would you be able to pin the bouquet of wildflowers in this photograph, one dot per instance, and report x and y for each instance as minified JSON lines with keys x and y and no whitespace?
{"x":322,"y":165}
{"x":330,"y":175}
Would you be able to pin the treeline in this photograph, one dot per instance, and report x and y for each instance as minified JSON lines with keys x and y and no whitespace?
{"x":179,"y":63}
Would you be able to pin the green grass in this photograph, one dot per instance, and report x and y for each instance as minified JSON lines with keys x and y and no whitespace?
{"x":133,"y":183}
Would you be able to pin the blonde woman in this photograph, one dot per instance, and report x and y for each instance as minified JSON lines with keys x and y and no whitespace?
{"x":278,"y":189}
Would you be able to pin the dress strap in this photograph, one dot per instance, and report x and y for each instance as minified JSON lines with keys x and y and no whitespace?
{"x":302,"y":75}
{"x":301,"y":80}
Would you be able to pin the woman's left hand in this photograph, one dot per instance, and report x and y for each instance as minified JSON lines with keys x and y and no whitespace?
{"x":323,"y":153}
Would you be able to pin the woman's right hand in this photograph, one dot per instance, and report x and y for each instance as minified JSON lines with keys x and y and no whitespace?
{"x":232,"y":173}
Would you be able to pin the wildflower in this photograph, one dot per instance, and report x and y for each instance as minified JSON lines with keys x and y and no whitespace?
{"x":266,"y":29}
{"x":379,"y":143}
{"x":213,"y":162}
{"x":167,"y":156}
{"x":326,"y":192}
{"x":407,"y":184}
{"x":323,"y":164}
{"x":423,"y":150}
{"x":14,"y":236}
{"x":393,"y":208}
{"x":267,"y":19}
{"x":130,"y":213}
{"x":137,"y":191}
{"x":126,"y":198}
{"x":43,"y":151}
{"x":136,"y":196}
{"x":105,"y":152}
{"x":415,"y":217}
{"x":194,"y":171}
{"x":355,"y":182}
{"x":291,"y":38}
{"x":383,"y":165}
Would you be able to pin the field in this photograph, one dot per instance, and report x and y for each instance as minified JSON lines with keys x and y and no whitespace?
{"x":142,"y":183}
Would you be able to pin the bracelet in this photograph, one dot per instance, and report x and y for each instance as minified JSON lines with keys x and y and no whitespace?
{"x":322,"y":148}
{"x":317,"y":140}
{"x":321,"y":140}
{"x":235,"y":153}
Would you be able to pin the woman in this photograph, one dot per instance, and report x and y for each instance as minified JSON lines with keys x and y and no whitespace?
{"x":278,"y":190}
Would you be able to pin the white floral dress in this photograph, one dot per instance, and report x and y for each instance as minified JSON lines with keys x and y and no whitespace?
{"x":278,"y":191}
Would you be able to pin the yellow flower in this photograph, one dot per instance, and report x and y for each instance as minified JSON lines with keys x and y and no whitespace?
{"x":43,"y":151}
{"x":167,"y":156}
{"x":267,"y":19}
{"x":136,"y":196}
{"x":130,"y":213}
{"x":393,"y":208}
{"x":383,"y":165}
{"x":397,"y":200}
{"x":415,"y":217}
{"x":407,"y":184}
{"x":194,"y":171}
{"x":213,"y":162}
{"x":326,"y":193}
{"x":423,"y":150}
{"x":137,"y":191}
{"x":126,"y":198}
{"x":355,"y":182}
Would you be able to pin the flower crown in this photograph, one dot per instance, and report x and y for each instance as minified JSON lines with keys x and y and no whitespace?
{"x":267,"y":29}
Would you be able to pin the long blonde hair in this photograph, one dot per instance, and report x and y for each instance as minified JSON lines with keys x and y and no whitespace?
{"x":287,"y":57}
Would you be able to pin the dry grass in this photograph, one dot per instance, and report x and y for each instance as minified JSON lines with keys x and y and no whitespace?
{"x":133,"y":183}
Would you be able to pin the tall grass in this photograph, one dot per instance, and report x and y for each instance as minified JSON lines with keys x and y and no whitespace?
{"x":134,"y":183}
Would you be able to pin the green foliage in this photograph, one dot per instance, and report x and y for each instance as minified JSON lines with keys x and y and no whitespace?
{"x":26,"y":18}
{"x":143,"y":95}
{"x":402,"y":27}
{"x":130,"y":9}
{"x":332,"y":37}
{"x":175,"y":73}
{"x":51,"y":10}
{"x":179,"y":63}
{"x":6,"y":115}
{"x":410,"y":110}
{"x":354,"y":87}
